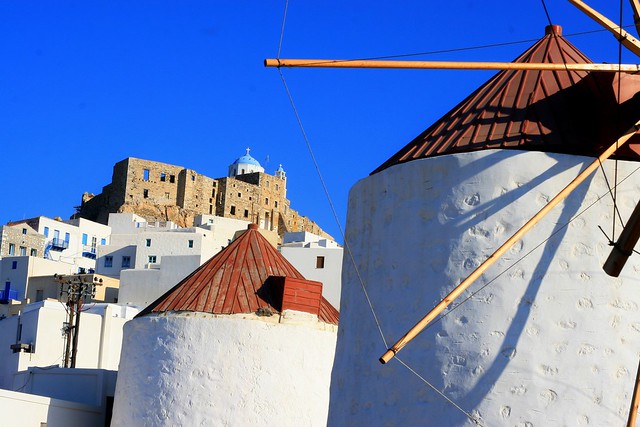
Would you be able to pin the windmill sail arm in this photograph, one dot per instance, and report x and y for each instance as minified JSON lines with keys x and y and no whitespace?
{"x":447,"y":65}
{"x":624,"y":37}
{"x":635,"y":5}
{"x":458,"y":290}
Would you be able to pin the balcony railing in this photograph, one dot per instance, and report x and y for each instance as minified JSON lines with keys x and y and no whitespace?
{"x":5,"y":296}
{"x":59,"y":244}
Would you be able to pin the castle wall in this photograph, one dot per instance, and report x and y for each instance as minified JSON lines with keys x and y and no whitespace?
{"x":552,"y":340}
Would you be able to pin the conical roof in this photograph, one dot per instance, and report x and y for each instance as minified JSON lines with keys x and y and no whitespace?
{"x":572,"y":112}
{"x":236,"y":280}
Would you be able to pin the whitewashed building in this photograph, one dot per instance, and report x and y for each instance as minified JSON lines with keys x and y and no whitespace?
{"x":544,"y":337}
{"x":317,"y":259}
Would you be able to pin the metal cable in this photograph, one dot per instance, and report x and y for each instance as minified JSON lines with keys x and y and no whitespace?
{"x":284,"y":20}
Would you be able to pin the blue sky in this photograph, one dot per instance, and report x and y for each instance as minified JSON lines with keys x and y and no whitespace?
{"x":85,"y":84}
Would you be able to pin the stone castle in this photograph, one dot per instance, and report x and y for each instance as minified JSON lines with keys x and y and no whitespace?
{"x":163,"y":192}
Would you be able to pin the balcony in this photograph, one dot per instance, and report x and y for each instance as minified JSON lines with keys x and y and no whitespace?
{"x":89,"y":252}
{"x":6,"y":296}
{"x":59,"y":245}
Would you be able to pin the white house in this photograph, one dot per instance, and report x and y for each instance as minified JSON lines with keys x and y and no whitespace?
{"x":317,"y":259}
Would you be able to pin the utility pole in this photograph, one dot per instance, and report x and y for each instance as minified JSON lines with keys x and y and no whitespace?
{"x":75,"y":289}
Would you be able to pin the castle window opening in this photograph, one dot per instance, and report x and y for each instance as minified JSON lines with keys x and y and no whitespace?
{"x":23,"y":251}
{"x":145,"y":193}
{"x":267,"y":184}
{"x":277,"y":187}
{"x":172,"y":179}
{"x":320,"y":262}
{"x":266,"y":201}
{"x":166,"y":195}
{"x":163,"y":177}
{"x":276,"y":203}
{"x":213,"y":193}
{"x":193,"y":177}
{"x":210,"y":209}
{"x":246,"y":213}
{"x":239,"y":195}
{"x":233,"y":210}
{"x":145,"y":175}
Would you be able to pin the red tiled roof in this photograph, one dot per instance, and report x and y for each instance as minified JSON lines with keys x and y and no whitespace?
{"x":236,"y":280}
{"x":572,"y":112}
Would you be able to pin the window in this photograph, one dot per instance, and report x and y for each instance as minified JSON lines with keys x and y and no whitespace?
{"x":12,"y":249}
{"x":267,"y":183}
{"x":67,"y":237}
{"x":39,"y":295}
{"x":23,"y":251}
{"x":172,"y":178}
{"x":145,"y":174}
{"x":246,"y":213}
{"x":233,"y":210}
{"x":24,"y":231}
{"x":145,"y":193}
{"x":14,"y":265}
{"x":163,"y":177}
{"x":152,"y":259}
{"x":320,"y":262}
{"x":126,"y":261}
{"x":166,"y":195}
{"x":34,"y":252}
{"x":266,"y":201}
{"x":276,"y":202}
{"x":46,"y":232}
{"x":239,"y":195}
{"x":108,"y":262}
{"x":148,"y":243}
{"x":103,"y":242}
{"x":190,"y":243}
{"x":85,"y":238}
{"x":56,"y":234}
{"x":213,"y":193}
{"x":193,"y":177}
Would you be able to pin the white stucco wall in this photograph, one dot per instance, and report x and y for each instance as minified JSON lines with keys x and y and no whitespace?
{"x":552,"y":341}
{"x":198,"y":369}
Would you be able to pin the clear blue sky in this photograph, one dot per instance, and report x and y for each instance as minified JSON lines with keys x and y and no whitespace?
{"x":84,"y":84}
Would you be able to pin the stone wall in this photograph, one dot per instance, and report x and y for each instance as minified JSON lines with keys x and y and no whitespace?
{"x":163,"y":192}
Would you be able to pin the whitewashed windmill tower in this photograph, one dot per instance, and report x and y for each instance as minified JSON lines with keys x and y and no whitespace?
{"x":541,"y":335}
{"x":242,"y":341}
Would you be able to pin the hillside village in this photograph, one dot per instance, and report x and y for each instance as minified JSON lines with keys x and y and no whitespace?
{"x":70,"y":286}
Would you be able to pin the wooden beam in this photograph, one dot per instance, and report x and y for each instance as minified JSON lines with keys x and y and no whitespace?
{"x":635,"y":5}
{"x":455,"y":293}
{"x":447,"y":65}
{"x":623,"y":248}
{"x":633,"y":411}
{"x":624,"y":37}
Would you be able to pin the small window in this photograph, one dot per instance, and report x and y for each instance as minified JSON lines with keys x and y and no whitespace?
{"x":320,"y":262}
{"x":24,"y":231}
{"x":152,"y":259}
{"x":213,"y":193}
{"x":233,"y":210}
{"x":190,"y":243}
{"x":12,"y":249}
{"x":163,"y":177}
{"x":67,"y":237}
{"x":172,"y":179}
{"x":246,"y":213}
{"x":148,"y":243}
{"x":46,"y":232}
{"x":126,"y":262}
{"x":166,"y":195}
{"x":34,"y":252}
{"x":23,"y":251}
{"x":145,"y":174}
{"x":266,"y":201}
{"x":193,"y":177}
{"x":267,"y":183}
{"x":103,"y":242}
{"x":108,"y":262}
{"x":276,"y":203}
{"x":14,"y":265}
{"x":145,"y":193}
{"x":85,"y":238}
{"x":239,"y":194}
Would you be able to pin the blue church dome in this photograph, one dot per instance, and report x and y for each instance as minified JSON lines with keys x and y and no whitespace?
{"x":247,"y":159}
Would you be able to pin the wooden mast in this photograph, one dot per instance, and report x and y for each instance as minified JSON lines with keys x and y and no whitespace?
{"x":446,"y":65}
{"x":457,"y":291}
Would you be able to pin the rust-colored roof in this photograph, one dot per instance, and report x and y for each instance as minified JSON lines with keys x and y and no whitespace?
{"x":571,"y":112}
{"x":236,"y":280}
